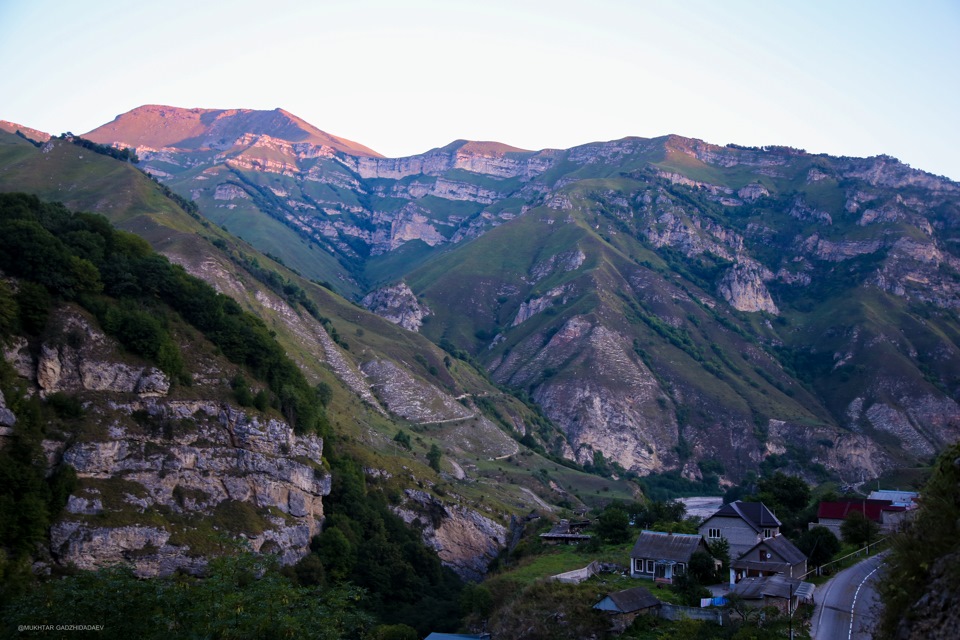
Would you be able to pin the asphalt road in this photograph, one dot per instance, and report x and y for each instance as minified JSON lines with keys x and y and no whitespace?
{"x":847,"y":605}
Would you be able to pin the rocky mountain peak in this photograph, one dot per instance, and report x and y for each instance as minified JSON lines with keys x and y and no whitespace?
{"x":160,"y":126}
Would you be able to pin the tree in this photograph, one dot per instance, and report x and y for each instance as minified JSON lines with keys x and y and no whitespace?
{"x":394,"y":632}
{"x":858,"y":529}
{"x":613,"y":525}
{"x":701,"y":567}
{"x":242,"y":596}
{"x":818,"y":544}
{"x":689,"y":589}
{"x":787,"y":496}
{"x":433,"y":457}
{"x":403,"y":439}
{"x":720,"y":549}
{"x":924,"y":558}
{"x":789,"y":493}
{"x":548,"y":610}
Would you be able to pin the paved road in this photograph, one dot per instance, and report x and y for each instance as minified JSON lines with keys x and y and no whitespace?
{"x":846,"y":606}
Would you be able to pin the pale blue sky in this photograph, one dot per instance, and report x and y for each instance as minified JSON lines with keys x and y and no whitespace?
{"x":840,"y":77}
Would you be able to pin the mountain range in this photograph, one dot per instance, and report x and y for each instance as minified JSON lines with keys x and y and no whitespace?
{"x":639,"y":307}
{"x":666,"y":301}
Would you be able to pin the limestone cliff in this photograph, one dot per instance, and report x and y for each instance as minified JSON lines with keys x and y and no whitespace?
{"x":162,"y":475}
{"x":398,"y":304}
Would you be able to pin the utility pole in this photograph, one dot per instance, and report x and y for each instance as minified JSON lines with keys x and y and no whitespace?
{"x":790,"y":610}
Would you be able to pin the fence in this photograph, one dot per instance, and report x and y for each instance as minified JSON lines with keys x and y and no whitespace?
{"x":594,"y":568}
{"x":578,"y":575}
{"x":843,"y":561}
{"x":676,"y":612}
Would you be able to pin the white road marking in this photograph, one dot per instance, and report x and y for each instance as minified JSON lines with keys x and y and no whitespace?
{"x":854,"y":603}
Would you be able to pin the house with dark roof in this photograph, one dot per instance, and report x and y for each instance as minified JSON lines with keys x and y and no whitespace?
{"x":832,"y":514}
{"x":769,"y":557}
{"x":624,"y":606}
{"x":743,"y":524}
{"x":660,"y":556}
{"x":777,"y":591}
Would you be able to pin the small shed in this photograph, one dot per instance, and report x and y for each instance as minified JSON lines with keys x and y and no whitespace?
{"x":778,"y":591}
{"x":624,"y":606}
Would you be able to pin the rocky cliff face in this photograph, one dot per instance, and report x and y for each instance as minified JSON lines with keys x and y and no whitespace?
{"x":465,"y":540}
{"x":397,"y":304}
{"x":162,"y":477}
{"x":710,"y":272}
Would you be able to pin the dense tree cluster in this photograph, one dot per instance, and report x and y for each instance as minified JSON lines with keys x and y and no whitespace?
{"x":124,"y":154}
{"x":925,"y":558}
{"x":30,"y":498}
{"x":242,"y":596}
{"x":367,"y":565}
{"x":80,"y":257}
{"x":366,"y":544}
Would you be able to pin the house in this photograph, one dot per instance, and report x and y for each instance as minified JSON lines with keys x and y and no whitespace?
{"x":832,"y":514}
{"x":769,"y":557}
{"x":660,"y":556}
{"x":743,"y":524}
{"x":906,"y":499}
{"x":777,"y":591}
{"x":565,"y":533}
{"x":624,"y":606}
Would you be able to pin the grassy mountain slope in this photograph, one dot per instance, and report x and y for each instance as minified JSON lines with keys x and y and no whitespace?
{"x":383,"y":379}
{"x":665,"y":300}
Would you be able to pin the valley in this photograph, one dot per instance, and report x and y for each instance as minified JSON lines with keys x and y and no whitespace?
{"x":487,"y":335}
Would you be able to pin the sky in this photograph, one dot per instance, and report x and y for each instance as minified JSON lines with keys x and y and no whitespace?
{"x":843,"y":77}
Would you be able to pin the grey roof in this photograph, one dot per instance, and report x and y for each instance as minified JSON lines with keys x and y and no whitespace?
{"x":778,"y":586}
{"x":666,"y":546}
{"x":628,"y":600}
{"x":779,"y":545}
{"x":563,"y":531}
{"x":755,"y":514}
{"x":760,"y":565}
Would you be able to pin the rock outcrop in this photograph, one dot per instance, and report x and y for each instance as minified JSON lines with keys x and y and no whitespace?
{"x":465,"y":540}
{"x":398,"y":304}
{"x":162,"y":478}
{"x":157,"y":492}
{"x":743,"y":287}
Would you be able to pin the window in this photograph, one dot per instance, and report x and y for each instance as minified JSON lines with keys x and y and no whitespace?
{"x":764,"y":554}
{"x":679,"y":569}
{"x":649,"y":566}
{"x":768,"y":533}
{"x":713,"y":534}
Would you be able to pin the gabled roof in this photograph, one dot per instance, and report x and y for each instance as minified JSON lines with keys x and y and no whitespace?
{"x":666,"y":546}
{"x":839,"y":510}
{"x":782,"y":546}
{"x":628,"y":600}
{"x":756,"y":514}
{"x":777,"y":586}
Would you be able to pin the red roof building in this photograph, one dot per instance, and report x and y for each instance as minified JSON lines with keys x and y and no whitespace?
{"x":832,"y":514}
